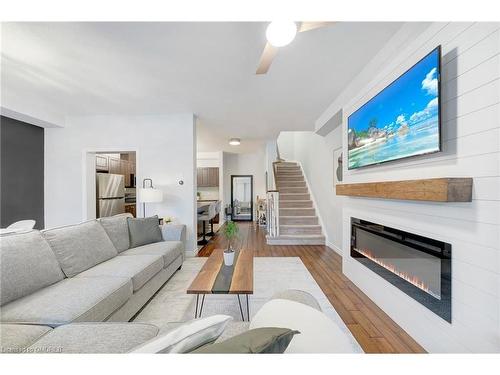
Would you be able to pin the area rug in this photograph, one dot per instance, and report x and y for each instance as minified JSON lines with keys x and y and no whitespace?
{"x":271,"y":275}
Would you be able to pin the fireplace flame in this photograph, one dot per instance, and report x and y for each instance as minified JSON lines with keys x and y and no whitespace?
{"x":414,"y":280}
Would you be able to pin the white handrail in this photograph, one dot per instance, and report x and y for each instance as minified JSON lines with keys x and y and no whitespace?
{"x":273,"y":209}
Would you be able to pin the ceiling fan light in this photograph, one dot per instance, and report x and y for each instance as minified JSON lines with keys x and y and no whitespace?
{"x":280,"y":33}
{"x":234,"y":141}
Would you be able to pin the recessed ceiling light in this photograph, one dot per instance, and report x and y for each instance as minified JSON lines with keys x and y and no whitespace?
{"x":234,"y":141}
{"x":280,"y":33}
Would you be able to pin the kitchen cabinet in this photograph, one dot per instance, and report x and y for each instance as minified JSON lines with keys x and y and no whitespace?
{"x":130,"y":170}
{"x":207,"y":177}
{"x":101,"y":163}
{"x":203,"y":177}
{"x":114,"y":165}
{"x":125,"y":171}
{"x":213,"y":177}
{"x":199,"y":177}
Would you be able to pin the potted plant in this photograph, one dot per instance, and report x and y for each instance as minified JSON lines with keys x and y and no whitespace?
{"x":230,"y":231}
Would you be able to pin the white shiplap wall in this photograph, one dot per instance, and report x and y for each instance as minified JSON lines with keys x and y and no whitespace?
{"x":471,"y":137}
{"x":471,"y":148}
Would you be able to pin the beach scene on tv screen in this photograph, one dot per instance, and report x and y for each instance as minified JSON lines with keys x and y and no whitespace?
{"x":401,"y":121}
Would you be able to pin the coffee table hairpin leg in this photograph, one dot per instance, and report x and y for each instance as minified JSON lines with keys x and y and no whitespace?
{"x":241,"y":310}
{"x":248,"y":308}
{"x":196,"y":313}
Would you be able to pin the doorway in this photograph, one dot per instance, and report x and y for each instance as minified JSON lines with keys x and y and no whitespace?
{"x":115,"y":183}
{"x":242,"y":197}
{"x":110,"y":182}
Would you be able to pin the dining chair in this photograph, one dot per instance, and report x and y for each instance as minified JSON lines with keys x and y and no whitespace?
{"x":216,"y":212}
{"x":22,"y":225}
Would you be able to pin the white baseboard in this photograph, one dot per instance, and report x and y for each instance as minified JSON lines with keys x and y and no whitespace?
{"x":334,"y":247}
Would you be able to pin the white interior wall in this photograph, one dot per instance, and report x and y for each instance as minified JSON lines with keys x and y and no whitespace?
{"x":166,"y":152}
{"x":471,"y":139}
{"x":271,"y":157}
{"x":208,"y":159}
{"x":90,"y":185}
{"x":286,"y":145}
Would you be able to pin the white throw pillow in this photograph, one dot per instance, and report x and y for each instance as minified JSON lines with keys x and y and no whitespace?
{"x":187,"y":337}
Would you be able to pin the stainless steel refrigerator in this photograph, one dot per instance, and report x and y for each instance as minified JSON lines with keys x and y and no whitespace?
{"x":110,"y":194}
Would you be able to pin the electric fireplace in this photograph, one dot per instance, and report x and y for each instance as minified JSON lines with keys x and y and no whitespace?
{"x":417,"y":265}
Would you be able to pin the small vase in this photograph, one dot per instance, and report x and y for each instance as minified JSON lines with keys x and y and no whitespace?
{"x":228,"y":258}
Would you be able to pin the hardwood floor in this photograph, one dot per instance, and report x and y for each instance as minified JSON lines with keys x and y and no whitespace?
{"x":375,"y":331}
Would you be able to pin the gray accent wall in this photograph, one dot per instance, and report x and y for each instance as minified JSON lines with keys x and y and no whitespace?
{"x":22,"y":172}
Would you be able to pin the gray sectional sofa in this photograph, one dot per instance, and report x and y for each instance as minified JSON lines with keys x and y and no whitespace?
{"x":81,"y":273}
{"x":74,"y":289}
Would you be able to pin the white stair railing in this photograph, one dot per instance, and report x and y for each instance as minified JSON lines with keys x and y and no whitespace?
{"x":273,"y":209}
{"x":278,"y":155}
{"x":273,"y":206}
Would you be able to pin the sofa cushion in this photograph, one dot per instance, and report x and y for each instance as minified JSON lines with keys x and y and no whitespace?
{"x":144,"y":231}
{"x":27,"y":264}
{"x":139,"y":268}
{"x":117,"y":229}
{"x":80,"y":247}
{"x":96,"y":337}
{"x":15,"y":338}
{"x":70,"y":300}
{"x":170,"y":250}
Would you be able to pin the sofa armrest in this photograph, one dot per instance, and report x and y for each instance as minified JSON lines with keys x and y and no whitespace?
{"x":174,"y":232}
{"x":318,"y":333}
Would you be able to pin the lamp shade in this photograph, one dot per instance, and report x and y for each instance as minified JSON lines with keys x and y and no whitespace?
{"x":150,"y":195}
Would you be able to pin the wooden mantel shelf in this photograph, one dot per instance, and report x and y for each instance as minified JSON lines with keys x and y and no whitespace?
{"x":433,"y":190}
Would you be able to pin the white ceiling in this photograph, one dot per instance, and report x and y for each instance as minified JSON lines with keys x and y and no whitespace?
{"x":54,"y":70}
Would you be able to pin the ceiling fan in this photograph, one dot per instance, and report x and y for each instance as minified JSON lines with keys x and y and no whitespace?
{"x":279,"y":34}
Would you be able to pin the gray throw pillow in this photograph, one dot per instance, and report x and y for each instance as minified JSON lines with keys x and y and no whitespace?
{"x":260,"y":340}
{"x":144,"y":231}
{"x":117,"y":229}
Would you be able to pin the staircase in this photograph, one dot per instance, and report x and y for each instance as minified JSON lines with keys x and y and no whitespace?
{"x":298,"y":223}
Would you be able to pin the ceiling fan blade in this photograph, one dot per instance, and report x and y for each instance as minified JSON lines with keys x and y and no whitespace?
{"x":306,"y":26}
{"x":266,"y":59}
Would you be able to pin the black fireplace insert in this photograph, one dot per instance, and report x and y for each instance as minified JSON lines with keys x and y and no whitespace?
{"x":417,"y":265}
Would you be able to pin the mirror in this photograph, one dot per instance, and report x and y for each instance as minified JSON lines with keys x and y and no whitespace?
{"x":242,"y":197}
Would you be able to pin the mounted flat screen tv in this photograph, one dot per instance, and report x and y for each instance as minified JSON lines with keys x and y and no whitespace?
{"x":401,"y":121}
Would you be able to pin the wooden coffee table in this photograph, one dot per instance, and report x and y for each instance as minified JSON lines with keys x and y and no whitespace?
{"x":217,"y":278}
